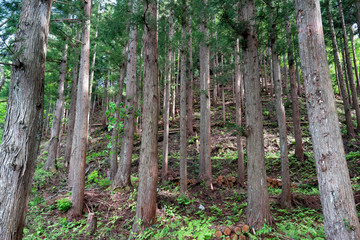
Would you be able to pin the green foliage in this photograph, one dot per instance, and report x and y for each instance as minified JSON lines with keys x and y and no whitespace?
{"x":63,"y":204}
{"x":184,"y":200}
{"x":93,"y":177}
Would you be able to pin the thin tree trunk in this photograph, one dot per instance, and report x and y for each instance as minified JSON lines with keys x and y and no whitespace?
{"x":22,"y":130}
{"x":105,"y":101}
{"x":223,"y":91}
{"x":55,"y":130}
{"x":173,"y":83}
{"x":299,"y":151}
{"x":258,"y":208}
{"x":190,"y":128}
{"x":349,"y":68}
{"x":70,"y":131}
{"x":337,"y":199}
{"x":352,"y":36}
{"x":78,"y":155}
{"x":164,"y":169}
{"x":346,"y":77}
{"x":286,"y":79}
{"x":148,"y":168}
{"x":115,"y":130}
{"x":183,"y":80}
{"x":347,"y":107}
{"x":205,"y":137}
{"x":122,"y":177}
{"x":2,"y":77}
{"x":241,"y":168}
{"x":93,"y":65}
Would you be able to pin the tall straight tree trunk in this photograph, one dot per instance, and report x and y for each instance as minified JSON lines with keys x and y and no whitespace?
{"x":148,"y":166}
{"x":190,"y":93}
{"x":2,"y":77}
{"x":55,"y":130}
{"x":258,"y":208}
{"x":297,"y":75}
{"x":183,"y":82}
{"x":105,"y":101}
{"x":299,"y":151}
{"x":346,"y":76}
{"x":115,"y":130}
{"x":164,"y":169}
{"x":22,"y":130}
{"x":70,"y":130}
{"x":205,"y":138}
{"x":223,"y":91}
{"x":354,"y":95}
{"x":122,"y":177}
{"x":173,"y":89}
{"x":340,"y":76}
{"x":78,"y":155}
{"x":91,"y":80}
{"x":241,"y":168}
{"x":352,"y":37}
{"x":286,"y":79}
{"x":337,"y":199}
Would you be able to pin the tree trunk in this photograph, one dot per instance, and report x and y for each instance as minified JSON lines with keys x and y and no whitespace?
{"x":22,"y":130}
{"x":78,"y":155}
{"x":205,"y":138}
{"x":115,"y":130}
{"x":337,"y":199}
{"x":183,"y":82}
{"x":2,"y":77}
{"x":93,"y":66}
{"x":280,"y":113}
{"x":349,"y":68}
{"x":70,"y":131}
{"x":55,"y":130}
{"x":122,"y":177}
{"x":346,"y":76}
{"x":190,"y":128}
{"x":173,"y":84}
{"x":258,"y":208}
{"x":352,"y":37}
{"x":105,"y":102}
{"x":241,"y":168}
{"x":299,"y":151}
{"x":164,"y":169}
{"x":286,"y":79}
{"x":347,"y":107}
{"x":148,"y":167}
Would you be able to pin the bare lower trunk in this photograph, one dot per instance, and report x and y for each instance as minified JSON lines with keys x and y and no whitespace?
{"x":148,"y":168}
{"x":22,"y":130}
{"x":70,"y":130}
{"x":55,"y":130}
{"x":205,"y":137}
{"x":164,"y":169}
{"x":122,"y":177}
{"x":183,"y":82}
{"x":2,"y":77}
{"x":241,"y":168}
{"x":299,"y":151}
{"x":115,"y":130}
{"x":190,"y":128}
{"x":352,"y":37}
{"x":78,"y":155}
{"x":340,"y":76}
{"x":337,"y":199}
{"x":258,"y":208}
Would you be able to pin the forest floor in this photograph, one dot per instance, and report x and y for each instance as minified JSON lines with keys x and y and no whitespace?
{"x":202,"y":211}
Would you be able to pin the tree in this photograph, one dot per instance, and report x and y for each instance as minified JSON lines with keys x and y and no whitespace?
{"x":78,"y":155}
{"x":148,"y":166}
{"x":122,"y":177}
{"x":340,"y":75}
{"x":183,"y":120}
{"x":205,"y":137}
{"x":167,"y":88}
{"x":258,"y":208}
{"x":340,"y":216}
{"x":190,"y":92}
{"x":22,"y":131}
{"x":54,"y":143}
{"x":354,"y":94}
{"x":280,"y":114}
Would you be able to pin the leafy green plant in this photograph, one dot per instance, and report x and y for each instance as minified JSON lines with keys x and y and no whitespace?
{"x":63,"y":204}
{"x":93,"y":177}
